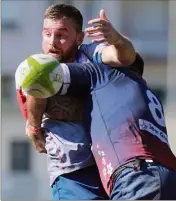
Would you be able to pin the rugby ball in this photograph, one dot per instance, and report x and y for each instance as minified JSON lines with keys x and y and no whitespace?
{"x":40,"y":75}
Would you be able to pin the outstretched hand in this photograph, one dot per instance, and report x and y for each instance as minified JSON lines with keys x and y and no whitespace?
{"x":102,"y":27}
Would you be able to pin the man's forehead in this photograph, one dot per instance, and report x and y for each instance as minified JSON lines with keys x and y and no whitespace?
{"x":58,"y":24}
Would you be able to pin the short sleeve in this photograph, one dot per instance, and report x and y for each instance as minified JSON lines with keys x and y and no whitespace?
{"x":77,"y":79}
{"x":94,"y":51}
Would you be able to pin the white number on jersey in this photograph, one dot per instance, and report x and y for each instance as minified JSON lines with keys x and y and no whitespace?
{"x":155,"y":108}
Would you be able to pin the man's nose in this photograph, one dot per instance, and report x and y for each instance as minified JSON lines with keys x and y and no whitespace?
{"x":51,"y":47}
{"x":53,"y":41}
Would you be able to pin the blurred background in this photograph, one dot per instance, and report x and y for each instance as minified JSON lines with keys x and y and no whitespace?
{"x":151,"y":26}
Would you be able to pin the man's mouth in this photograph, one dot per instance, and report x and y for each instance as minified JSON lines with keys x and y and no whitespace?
{"x":54,"y":53}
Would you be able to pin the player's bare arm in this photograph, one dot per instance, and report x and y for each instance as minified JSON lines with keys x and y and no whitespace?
{"x":120,"y":51}
{"x":57,"y":107}
{"x":35,"y":110}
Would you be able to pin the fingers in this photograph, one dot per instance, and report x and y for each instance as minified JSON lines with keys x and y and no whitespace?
{"x":103,"y":15}
{"x":93,"y":29}
{"x":99,"y":40}
{"x":40,"y":147}
{"x":39,"y":143}
{"x":98,"y":20}
{"x":95,"y":34}
{"x":102,"y":20}
{"x":102,"y":28}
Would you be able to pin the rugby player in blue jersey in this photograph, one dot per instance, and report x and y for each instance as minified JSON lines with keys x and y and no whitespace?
{"x":70,"y":160}
{"x":127,"y":126}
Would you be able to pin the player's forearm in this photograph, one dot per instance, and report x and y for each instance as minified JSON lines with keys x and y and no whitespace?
{"x":35,"y":109}
{"x":120,"y":53}
{"x":124,"y":50}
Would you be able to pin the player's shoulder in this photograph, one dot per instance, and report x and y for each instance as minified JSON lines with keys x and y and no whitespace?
{"x":87,"y":46}
{"x":91,"y":47}
{"x":90,"y":51}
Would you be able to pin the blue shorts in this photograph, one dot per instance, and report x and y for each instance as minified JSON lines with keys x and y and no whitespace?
{"x":151,"y":181}
{"x":84,"y":184}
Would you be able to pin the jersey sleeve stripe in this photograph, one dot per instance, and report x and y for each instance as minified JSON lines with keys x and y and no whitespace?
{"x":67,"y":79}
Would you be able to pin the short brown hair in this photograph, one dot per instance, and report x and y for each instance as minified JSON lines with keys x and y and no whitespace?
{"x":59,"y":11}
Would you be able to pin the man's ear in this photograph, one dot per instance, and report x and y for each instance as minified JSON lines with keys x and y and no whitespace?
{"x":80,"y":38}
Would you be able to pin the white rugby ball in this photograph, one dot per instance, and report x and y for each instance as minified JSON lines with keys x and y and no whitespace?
{"x":40,"y":75}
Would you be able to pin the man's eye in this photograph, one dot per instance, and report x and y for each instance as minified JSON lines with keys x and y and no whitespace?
{"x":47,"y":34}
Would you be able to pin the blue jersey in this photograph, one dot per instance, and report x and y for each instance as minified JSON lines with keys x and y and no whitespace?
{"x":124,"y":117}
{"x":68,"y":143}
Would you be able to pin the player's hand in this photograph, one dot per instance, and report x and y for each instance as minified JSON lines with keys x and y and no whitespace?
{"x":102,"y":28}
{"x":37,"y":138}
